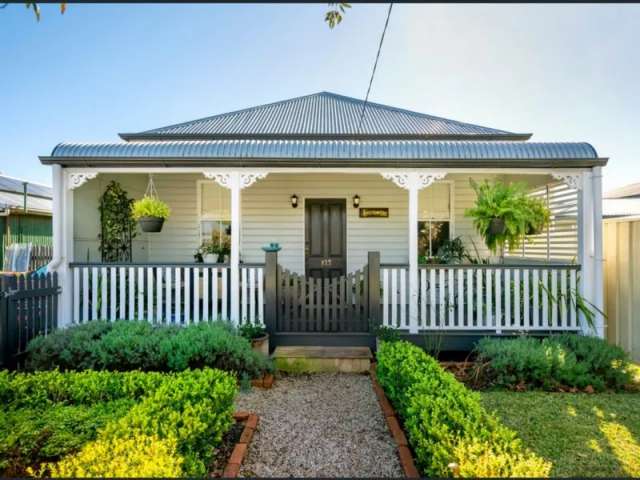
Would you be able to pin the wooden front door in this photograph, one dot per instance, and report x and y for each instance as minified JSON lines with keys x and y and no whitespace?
{"x":325,"y":238}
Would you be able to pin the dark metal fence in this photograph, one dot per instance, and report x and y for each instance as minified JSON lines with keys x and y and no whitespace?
{"x":28,"y":308}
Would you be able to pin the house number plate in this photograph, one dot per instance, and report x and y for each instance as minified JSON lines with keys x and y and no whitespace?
{"x":325,"y":262}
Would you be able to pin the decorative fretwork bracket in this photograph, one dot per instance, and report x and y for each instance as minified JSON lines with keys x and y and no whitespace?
{"x":572,"y":180}
{"x":226,"y":180}
{"x":410,"y":180}
{"x":78,"y":179}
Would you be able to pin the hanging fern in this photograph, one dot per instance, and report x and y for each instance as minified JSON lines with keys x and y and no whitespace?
{"x":118,"y":228}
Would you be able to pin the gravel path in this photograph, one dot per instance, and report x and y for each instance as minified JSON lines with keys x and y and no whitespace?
{"x":324,"y":425}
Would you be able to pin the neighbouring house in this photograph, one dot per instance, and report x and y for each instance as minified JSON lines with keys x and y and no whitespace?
{"x":25,"y":218}
{"x":353,"y":200}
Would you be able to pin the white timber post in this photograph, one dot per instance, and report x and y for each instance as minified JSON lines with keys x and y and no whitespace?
{"x":235,"y":182}
{"x":413,"y":182}
{"x":234,"y":264}
{"x":413,"y":257}
{"x":69,"y":181}
{"x":585,"y":244}
{"x":58,"y":263}
{"x":589,"y":186}
{"x":598,"y":282}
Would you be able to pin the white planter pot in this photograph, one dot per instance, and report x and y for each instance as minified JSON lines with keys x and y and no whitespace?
{"x":210,"y":258}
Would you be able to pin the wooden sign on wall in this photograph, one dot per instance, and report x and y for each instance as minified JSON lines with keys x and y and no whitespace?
{"x":374,"y":213}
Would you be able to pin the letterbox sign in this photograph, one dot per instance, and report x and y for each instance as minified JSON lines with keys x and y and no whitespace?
{"x":374,"y":213}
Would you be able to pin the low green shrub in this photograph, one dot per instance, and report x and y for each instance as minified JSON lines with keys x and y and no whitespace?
{"x":39,"y":389}
{"x":30,"y":436}
{"x":132,"y":345}
{"x":566,"y":360}
{"x":446,"y":423}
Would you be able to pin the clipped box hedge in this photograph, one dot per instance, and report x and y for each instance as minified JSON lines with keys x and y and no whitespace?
{"x":446,"y":425}
{"x":165,"y":424}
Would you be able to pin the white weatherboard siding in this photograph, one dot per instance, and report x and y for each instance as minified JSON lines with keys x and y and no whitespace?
{"x":267,"y":216}
{"x":86,"y":215}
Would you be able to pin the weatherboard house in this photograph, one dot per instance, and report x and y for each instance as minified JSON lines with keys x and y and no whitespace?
{"x":352,"y":201}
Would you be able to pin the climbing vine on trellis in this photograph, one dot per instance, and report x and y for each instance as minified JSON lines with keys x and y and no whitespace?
{"x":118,"y":228}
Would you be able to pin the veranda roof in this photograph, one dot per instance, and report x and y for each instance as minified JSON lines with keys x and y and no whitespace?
{"x":334,"y":153}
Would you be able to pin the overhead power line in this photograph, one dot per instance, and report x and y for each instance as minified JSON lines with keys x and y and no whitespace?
{"x":375,"y":65}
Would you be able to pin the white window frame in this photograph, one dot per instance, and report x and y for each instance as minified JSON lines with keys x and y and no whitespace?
{"x":451,"y":218}
{"x":200,"y":216}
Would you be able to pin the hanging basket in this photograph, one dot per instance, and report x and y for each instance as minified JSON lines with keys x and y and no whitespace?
{"x":151,"y":224}
{"x":150,"y":211}
{"x":497,"y":226}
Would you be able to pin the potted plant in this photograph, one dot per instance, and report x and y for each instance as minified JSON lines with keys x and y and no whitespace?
{"x":150,"y":213}
{"x":207,"y":252}
{"x":501,"y":213}
{"x":258,"y":337}
{"x":453,"y":252}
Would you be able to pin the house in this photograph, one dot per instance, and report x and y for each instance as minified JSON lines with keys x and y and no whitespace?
{"x":353,"y":196}
{"x":25,"y":217}
{"x":622,"y":202}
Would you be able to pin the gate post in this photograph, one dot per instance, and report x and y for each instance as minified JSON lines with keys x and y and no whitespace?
{"x":271,"y":290}
{"x":373,"y":259}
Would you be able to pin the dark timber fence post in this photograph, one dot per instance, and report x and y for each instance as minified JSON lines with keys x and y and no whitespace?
{"x":4,"y":322}
{"x":374,"y":288}
{"x":271,"y":290}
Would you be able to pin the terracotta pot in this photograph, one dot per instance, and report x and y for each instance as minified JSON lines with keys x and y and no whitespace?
{"x":151,"y":224}
{"x":497,"y":226}
{"x":261,"y":344}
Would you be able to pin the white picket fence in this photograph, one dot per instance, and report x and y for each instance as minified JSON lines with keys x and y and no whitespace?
{"x":164,"y":293}
{"x":483,"y":297}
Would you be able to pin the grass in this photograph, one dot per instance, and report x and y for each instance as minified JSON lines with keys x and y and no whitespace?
{"x":581,"y":435}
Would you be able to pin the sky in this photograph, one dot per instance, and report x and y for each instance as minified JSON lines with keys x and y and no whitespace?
{"x":561,"y":72}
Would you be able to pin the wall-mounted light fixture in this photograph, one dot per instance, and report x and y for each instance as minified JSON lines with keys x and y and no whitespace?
{"x":356,"y":201}
{"x":294,"y":201}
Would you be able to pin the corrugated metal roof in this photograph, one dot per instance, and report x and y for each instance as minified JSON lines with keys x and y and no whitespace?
{"x":323,"y":115}
{"x":628,"y":191}
{"x":329,"y":149}
{"x":16,"y":185}
{"x":16,"y":201}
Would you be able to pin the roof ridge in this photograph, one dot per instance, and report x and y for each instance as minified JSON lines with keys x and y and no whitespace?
{"x":233,"y":112}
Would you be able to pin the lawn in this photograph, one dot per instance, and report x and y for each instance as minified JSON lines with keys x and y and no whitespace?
{"x":582,"y":435}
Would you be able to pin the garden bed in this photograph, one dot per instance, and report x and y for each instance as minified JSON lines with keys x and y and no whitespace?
{"x":229,"y":455}
{"x":106,"y":424}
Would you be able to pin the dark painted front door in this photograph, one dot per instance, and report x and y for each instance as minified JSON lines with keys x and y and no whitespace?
{"x":326,"y":237}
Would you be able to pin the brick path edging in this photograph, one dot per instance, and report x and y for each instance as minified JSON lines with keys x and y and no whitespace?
{"x":406,"y":459}
{"x":232,"y":469}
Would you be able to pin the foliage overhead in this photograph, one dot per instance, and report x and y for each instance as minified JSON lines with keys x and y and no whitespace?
{"x":334,"y":16}
{"x":117,"y":224}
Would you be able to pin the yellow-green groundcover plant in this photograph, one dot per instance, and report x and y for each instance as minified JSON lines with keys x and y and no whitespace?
{"x":137,"y":456}
{"x":449,"y":430}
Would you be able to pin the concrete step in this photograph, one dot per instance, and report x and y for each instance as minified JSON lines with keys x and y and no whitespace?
{"x":322,"y":359}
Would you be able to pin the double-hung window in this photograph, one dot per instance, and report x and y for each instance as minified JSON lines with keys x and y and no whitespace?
{"x":434,"y":218}
{"x":214,"y":211}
